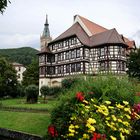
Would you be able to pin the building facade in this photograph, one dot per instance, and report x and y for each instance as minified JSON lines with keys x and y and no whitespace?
{"x":19,"y":69}
{"x":84,"y":48}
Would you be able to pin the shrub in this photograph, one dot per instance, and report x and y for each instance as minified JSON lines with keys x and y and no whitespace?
{"x":31,"y":93}
{"x":45,"y":90}
{"x":116,"y":90}
{"x":86,"y":119}
{"x":112,"y":88}
{"x":55,"y":90}
{"x":67,"y":83}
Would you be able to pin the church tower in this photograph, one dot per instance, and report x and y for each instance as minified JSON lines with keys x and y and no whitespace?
{"x":45,"y":37}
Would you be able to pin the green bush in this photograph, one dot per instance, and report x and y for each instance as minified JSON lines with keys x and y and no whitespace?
{"x":55,"y":90}
{"x":115,"y":89}
{"x":67,"y":83}
{"x":31,"y":93}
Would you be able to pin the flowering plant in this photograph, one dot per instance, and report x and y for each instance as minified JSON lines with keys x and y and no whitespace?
{"x":99,"y":121}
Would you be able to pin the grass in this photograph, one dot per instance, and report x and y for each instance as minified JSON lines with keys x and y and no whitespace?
{"x":34,"y":123}
{"x":21,"y":103}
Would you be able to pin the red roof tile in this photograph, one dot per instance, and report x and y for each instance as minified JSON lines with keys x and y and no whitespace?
{"x":93,"y":27}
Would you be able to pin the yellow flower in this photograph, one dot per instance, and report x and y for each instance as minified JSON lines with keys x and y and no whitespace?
{"x":107,"y":118}
{"x":71,"y":130}
{"x":127,"y":109}
{"x":71,"y":126}
{"x":113,"y":138}
{"x":121,"y":130}
{"x":85,"y":136}
{"x":125,"y":102}
{"x":84,"y":101}
{"x":126,"y":123}
{"x":76,"y":126}
{"x":119,"y":120}
{"x":73,"y":118}
{"x":82,"y":112}
{"x":92,"y":128}
{"x":128,"y":117}
{"x":122,"y":137}
{"x":110,"y":107}
{"x":91,"y":121}
{"x":126,"y":131}
{"x":119,"y":106}
{"x":108,"y":102}
{"x":113,"y":117}
{"x":87,"y":107}
{"x":71,"y":134}
{"x":92,"y":100}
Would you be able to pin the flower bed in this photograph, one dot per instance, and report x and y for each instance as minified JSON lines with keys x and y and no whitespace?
{"x":93,"y":120}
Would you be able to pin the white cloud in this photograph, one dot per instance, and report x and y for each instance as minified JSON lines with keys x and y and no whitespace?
{"x":22,"y":22}
{"x":18,"y":40}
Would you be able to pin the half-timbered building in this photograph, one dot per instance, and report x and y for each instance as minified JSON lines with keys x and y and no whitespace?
{"x":84,"y":48}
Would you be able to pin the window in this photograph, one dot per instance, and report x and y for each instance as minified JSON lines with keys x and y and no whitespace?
{"x":72,"y":41}
{"x":59,"y":57}
{"x":78,"y":67}
{"x":59,"y":69}
{"x":52,"y":70}
{"x":75,"y":40}
{"x":42,"y":70}
{"x":48,"y":58}
{"x":123,"y":66}
{"x":19,"y":68}
{"x":18,"y":76}
{"x":123,"y":51}
{"x":67,"y":68}
{"x":67,"y":42}
{"x":53,"y":58}
{"x":72,"y":67}
{"x":62,"y":56}
{"x":67,"y":55}
{"x":73,"y":54}
{"x":102,"y":51}
{"x":78,"y":53}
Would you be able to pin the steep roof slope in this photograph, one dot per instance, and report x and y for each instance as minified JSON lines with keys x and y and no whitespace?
{"x":92,"y":34}
{"x":109,"y":36}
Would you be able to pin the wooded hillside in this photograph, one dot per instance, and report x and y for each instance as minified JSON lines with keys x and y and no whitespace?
{"x":22,"y":55}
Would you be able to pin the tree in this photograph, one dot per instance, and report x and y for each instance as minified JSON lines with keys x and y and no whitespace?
{"x":8,"y":79}
{"x":3,"y":5}
{"x":134,"y":64}
{"x":32,"y":93}
{"x":45,"y":90}
{"x":31,"y":75}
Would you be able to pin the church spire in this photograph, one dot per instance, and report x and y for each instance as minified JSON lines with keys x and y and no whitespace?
{"x":46,"y":31}
{"x":45,"y":37}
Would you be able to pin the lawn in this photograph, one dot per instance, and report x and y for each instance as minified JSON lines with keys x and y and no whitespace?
{"x":34,"y":123}
{"x":21,"y":103}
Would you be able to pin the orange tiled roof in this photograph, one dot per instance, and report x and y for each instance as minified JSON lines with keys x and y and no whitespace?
{"x":99,"y":34}
{"x":93,"y":27}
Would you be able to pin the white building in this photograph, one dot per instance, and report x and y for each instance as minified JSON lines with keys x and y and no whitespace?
{"x":84,"y":48}
{"x":20,"y":69}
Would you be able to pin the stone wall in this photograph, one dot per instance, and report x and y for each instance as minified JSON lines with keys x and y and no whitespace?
{"x":17,"y":135}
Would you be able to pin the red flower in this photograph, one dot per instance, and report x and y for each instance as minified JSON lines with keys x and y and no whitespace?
{"x":52,"y":131}
{"x":97,"y":136}
{"x":137,"y":108}
{"x":79,"y":96}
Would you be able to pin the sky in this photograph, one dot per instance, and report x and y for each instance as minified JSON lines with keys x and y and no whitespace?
{"x":23,"y":21}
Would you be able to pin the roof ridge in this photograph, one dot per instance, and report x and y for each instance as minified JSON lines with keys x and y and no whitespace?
{"x":92,"y":22}
{"x":112,"y":31}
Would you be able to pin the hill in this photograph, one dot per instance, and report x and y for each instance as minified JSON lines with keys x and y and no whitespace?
{"x":23,"y":55}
